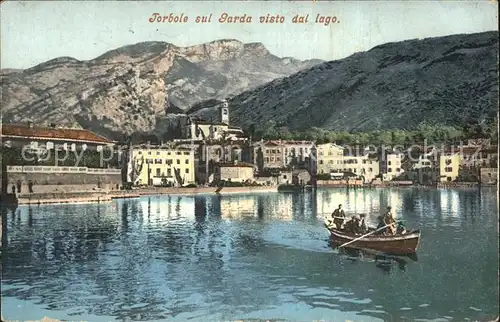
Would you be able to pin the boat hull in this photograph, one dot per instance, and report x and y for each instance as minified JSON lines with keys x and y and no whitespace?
{"x":405,"y":244}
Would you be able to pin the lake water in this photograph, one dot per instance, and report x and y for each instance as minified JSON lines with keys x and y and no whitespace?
{"x":247,"y":257}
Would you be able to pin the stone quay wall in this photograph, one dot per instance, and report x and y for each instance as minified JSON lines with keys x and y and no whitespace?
{"x":62,"y":179}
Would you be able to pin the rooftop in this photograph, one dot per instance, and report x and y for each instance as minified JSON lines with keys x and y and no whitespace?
{"x":235,"y":165}
{"x":52,"y":133}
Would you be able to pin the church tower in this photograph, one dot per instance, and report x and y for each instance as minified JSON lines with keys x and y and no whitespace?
{"x":224,"y":112}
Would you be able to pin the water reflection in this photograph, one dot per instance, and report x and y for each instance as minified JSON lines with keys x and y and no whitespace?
{"x":382,"y":261}
{"x":251,"y":256}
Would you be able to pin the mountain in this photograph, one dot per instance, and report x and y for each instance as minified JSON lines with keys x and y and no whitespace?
{"x":135,"y":88}
{"x":444,"y":80}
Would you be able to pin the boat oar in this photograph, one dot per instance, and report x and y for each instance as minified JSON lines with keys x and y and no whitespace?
{"x":372,"y":232}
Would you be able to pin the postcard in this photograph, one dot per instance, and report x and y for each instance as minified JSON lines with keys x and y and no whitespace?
{"x":249,"y":160}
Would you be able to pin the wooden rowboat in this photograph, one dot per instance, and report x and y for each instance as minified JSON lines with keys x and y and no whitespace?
{"x":403,"y":244}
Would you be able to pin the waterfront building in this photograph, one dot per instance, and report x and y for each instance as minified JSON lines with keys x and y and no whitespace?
{"x":449,"y":165}
{"x":279,"y":154}
{"x":162,"y":165}
{"x":390,"y":165}
{"x":478,"y":156}
{"x":295,"y":177}
{"x":363,"y":166}
{"x":235,"y":172}
{"x":489,"y":176}
{"x":268,"y":155}
{"x":210,"y":153}
{"x":424,"y":170}
{"x":330,"y":158}
{"x":37,"y":145}
{"x":296,"y":153}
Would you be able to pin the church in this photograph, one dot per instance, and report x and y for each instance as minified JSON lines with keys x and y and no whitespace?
{"x":196,"y":129}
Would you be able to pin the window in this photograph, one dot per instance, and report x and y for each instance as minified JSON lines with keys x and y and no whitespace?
{"x":272,"y":159}
{"x":168,"y":161}
{"x":179,"y":153}
{"x":186,"y":153}
{"x":389,"y":163}
{"x":320,"y":162}
{"x":187,"y":170}
{"x":267,"y":159}
{"x":169,"y":172}
{"x":448,"y":169}
{"x":158,"y":161}
{"x":278,"y":159}
{"x":158,"y":172}
{"x":178,"y":161}
{"x":448,"y":162}
{"x":187,"y":161}
{"x":370,"y":170}
{"x":149,"y":152}
{"x":398,"y":169}
{"x":157,"y":152}
{"x":284,"y":176}
{"x":389,"y":169}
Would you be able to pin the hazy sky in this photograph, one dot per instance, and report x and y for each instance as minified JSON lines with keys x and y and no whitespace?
{"x":36,"y":31}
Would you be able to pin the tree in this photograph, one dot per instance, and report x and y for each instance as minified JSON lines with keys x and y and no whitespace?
{"x":260,"y":159}
{"x":137,"y":166}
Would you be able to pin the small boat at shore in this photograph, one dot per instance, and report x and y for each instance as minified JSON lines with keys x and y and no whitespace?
{"x":401,"y":244}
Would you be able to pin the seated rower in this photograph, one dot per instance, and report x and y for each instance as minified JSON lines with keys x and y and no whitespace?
{"x":390,"y":222}
{"x":363,"y":228}
{"x":381,"y":224}
{"x":353,"y":225}
{"x":401,"y":228}
{"x":386,"y":220}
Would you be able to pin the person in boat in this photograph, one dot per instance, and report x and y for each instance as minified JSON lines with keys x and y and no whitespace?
{"x":381,"y":224}
{"x":362,"y":226}
{"x":390,"y":222}
{"x":353,"y":225}
{"x":338,"y":216}
{"x":401,"y":228}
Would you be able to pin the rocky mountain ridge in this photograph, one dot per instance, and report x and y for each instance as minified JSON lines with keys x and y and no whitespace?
{"x":133,"y":88}
{"x":444,"y":80}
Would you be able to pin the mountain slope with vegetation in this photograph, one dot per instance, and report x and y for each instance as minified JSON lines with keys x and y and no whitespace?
{"x":448,"y":81}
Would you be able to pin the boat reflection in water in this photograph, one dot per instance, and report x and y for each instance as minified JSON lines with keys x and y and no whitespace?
{"x":383,"y":261}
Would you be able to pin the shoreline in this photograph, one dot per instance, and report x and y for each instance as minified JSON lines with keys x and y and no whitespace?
{"x":98,"y":197}
{"x":108,"y":196}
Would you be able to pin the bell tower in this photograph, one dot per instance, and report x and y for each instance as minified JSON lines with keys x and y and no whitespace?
{"x":224,"y":112}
